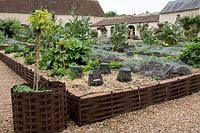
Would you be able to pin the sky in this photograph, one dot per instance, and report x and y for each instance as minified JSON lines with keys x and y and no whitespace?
{"x":133,"y":6}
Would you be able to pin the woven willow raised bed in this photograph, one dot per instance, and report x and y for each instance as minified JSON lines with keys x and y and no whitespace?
{"x":39,"y":112}
{"x":85,"y":109}
{"x":97,"y":107}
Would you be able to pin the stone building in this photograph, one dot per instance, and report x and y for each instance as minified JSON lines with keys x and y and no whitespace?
{"x":22,"y":9}
{"x":132,"y":21}
{"x":179,"y":8}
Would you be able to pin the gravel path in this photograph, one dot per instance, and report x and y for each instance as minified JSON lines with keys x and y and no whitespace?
{"x":7,"y":79}
{"x":182,"y":115}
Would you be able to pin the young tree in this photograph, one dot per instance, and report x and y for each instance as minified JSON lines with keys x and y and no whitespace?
{"x":41,"y":22}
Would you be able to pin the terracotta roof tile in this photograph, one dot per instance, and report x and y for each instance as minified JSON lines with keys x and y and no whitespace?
{"x":59,"y":7}
{"x":128,"y":20}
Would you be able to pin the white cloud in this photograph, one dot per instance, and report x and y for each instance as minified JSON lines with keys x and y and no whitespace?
{"x":133,"y":6}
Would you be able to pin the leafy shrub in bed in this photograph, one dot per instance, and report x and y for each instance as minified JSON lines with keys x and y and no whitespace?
{"x":171,"y":34}
{"x":2,"y":38}
{"x":24,"y":88}
{"x":76,"y":51}
{"x":10,"y":27}
{"x":73,"y":46}
{"x":148,"y":36}
{"x":119,"y":36}
{"x":115,"y":64}
{"x":191,"y":55}
{"x":191,"y":25}
{"x":29,"y":60}
{"x":91,"y":65}
{"x":14,"y":48}
{"x":195,"y":39}
{"x":57,"y":72}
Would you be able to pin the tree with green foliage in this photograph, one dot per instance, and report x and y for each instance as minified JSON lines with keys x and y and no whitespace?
{"x":119,"y":36}
{"x":110,"y":14}
{"x":41,"y":22}
{"x":190,"y":24}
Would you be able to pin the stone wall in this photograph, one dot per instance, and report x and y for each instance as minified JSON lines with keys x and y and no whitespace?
{"x":23,"y":18}
{"x":171,"y":17}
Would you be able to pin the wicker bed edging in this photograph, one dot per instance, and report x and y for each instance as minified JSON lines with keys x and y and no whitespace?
{"x":100,"y":106}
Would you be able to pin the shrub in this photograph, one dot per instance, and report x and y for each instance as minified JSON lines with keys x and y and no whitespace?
{"x":91,"y":65}
{"x":142,"y":27}
{"x":14,"y":48}
{"x":195,"y":39}
{"x":171,"y":34}
{"x":191,"y":55}
{"x":79,"y":27}
{"x":191,"y":25}
{"x":19,"y":55}
{"x":119,"y":36}
{"x":29,"y":60}
{"x":2,"y":38}
{"x":115,"y":65}
{"x":94,"y":33}
{"x":148,"y":36}
{"x":24,"y":88}
{"x":58,"y":72}
{"x":10,"y":27}
{"x":71,"y":74}
{"x":77,"y":51}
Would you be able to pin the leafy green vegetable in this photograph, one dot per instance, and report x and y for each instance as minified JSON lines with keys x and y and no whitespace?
{"x":91,"y":65}
{"x":58,"y":72}
{"x":14,"y":48}
{"x":191,"y":55}
{"x":29,"y":60}
{"x":115,"y":64}
{"x":24,"y":88}
{"x":19,"y":55}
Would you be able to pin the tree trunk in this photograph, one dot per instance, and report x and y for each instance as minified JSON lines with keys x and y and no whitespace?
{"x":37,"y":54}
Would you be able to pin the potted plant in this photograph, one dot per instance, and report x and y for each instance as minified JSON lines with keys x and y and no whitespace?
{"x":37,"y":106}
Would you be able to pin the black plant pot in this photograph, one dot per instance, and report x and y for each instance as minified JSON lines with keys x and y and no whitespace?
{"x":39,"y":112}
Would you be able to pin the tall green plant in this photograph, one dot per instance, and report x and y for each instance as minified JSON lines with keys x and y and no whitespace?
{"x":10,"y":27}
{"x":191,"y":55}
{"x":190,"y":24}
{"x":2,"y":38}
{"x":148,"y":36}
{"x":171,"y":34}
{"x":41,"y":22}
{"x":142,"y":27}
{"x":119,"y":36}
